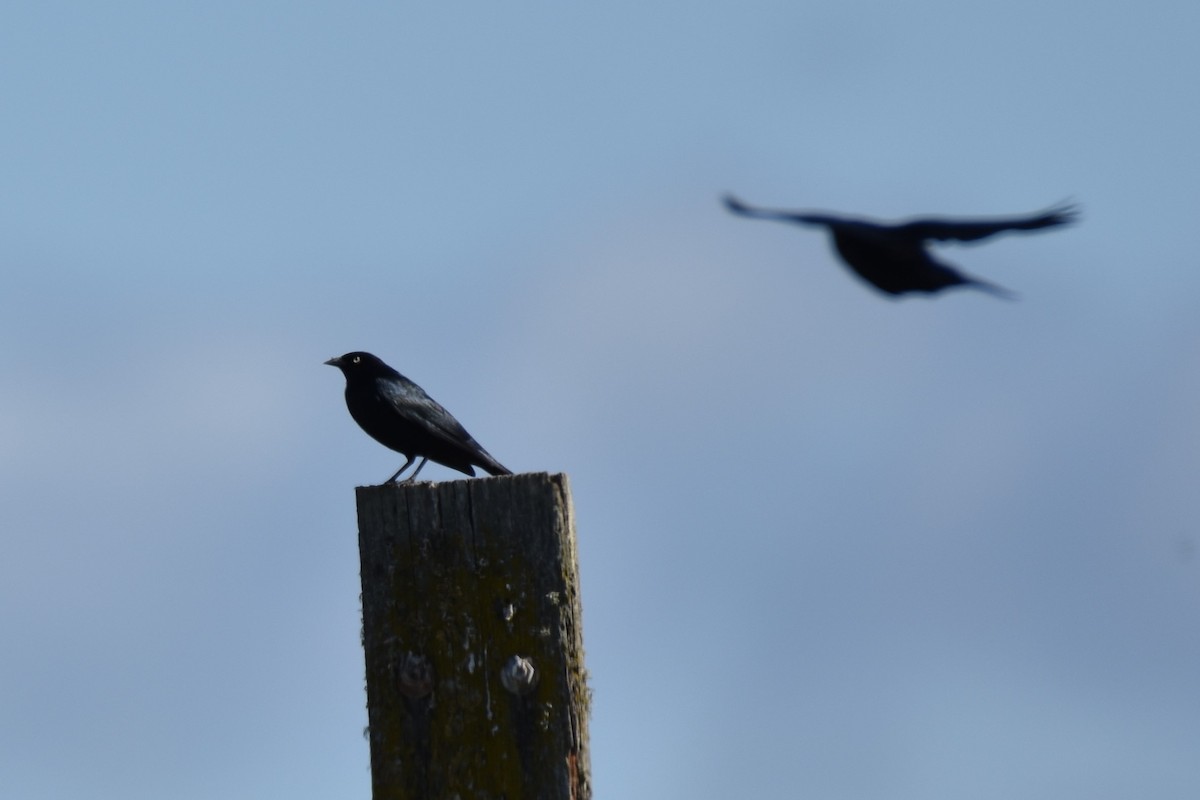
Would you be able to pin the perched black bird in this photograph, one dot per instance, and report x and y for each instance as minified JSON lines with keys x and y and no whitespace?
{"x":398,"y":414}
{"x":894,"y":258}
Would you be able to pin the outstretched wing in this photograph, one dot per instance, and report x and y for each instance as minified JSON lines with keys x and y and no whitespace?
{"x":971,"y":230}
{"x":802,"y":217}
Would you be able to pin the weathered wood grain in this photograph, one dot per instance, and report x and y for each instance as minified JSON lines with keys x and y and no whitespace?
{"x":465,"y":584}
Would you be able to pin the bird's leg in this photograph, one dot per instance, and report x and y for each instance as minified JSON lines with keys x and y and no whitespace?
{"x":406,"y":463}
{"x":413,"y":477}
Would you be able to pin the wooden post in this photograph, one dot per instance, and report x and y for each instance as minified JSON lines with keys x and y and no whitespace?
{"x":473,"y":636}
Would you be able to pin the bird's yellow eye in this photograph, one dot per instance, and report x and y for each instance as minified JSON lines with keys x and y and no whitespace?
{"x":357,"y":359}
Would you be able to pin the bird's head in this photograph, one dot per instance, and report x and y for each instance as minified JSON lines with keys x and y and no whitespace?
{"x":356,"y":363}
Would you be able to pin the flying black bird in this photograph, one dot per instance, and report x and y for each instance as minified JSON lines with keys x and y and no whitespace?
{"x":894,"y":258}
{"x":398,"y":414}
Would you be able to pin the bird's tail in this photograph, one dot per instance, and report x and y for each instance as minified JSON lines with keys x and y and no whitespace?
{"x":490,"y":465}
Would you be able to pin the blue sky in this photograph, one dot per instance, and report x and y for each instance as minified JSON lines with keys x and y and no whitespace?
{"x":907,"y":549}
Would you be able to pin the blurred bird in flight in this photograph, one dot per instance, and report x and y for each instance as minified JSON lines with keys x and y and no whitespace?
{"x":895,"y":257}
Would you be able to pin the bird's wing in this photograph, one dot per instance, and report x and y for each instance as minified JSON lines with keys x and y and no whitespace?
{"x":971,"y":230}
{"x":418,"y":408}
{"x":803,"y":217}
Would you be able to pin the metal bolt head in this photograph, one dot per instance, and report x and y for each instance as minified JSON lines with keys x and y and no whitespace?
{"x":414,"y":676}
{"x":518,"y":676}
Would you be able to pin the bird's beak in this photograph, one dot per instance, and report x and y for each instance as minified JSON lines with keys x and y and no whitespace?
{"x":334,"y":362}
